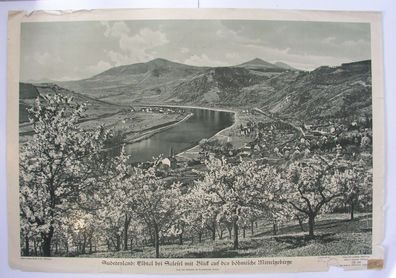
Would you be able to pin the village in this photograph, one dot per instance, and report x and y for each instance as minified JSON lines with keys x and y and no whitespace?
{"x":260,"y":136}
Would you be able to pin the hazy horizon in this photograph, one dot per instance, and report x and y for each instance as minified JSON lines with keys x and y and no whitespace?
{"x":63,"y":51}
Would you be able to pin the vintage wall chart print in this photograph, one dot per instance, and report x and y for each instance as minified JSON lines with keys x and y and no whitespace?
{"x":195,"y":141}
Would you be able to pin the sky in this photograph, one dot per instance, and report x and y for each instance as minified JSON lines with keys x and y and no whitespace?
{"x":75,"y":50}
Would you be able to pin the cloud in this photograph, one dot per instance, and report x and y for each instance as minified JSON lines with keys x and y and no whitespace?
{"x":66,"y":78}
{"x":52,"y":67}
{"x":101,"y":66}
{"x":203,"y":60}
{"x":232,"y":55}
{"x":86,"y":72}
{"x":107,"y":27}
{"x":95,"y":47}
{"x":138,"y":47}
{"x":329,"y":40}
{"x":226,"y":33}
{"x":41,"y":65}
{"x":184,"y":50}
{"x":115,"y":30}
{"x":355,"y":43}
{"x":117,"y":58}
{"x":45,"y":58}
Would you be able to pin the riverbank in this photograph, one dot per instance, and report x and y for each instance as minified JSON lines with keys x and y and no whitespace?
{"x":188,"y":107}
{"x":229,"y":134}
{"x":154,"y":130}
{"x":192,"y":152}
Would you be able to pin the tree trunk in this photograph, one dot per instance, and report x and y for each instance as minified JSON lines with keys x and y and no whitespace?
{"x":214,"y":230}
{"x":26,"y":253}
{"x":252,"y":228}
{"x":229,"y":232}
{"x":35,"y":247}
{"x":108,"y":245}
{"x":300,"y":223}
{"x":118,"y":243}
{"x":156,"y":240}
{"x":352,"y":210}
{"x":244,"y":232}
{"x":84,"y":244}
{"x":219,"y":231}
{"x":236,"y":241}
{"x":126,"y":226}
{"x":47,"y":238}
{"x":311,"y":224}
{"x":90,"y":244}
{"x":67,"y":248}
{"x":181,"y":239}
{"x":47,"y":247}
{"x":199,"y":237}
{"x":151,"y":236}
{"x":274,"y":229}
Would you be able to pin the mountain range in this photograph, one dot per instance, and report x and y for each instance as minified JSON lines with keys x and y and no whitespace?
{"x":275,"y":87}
{"x":161,"y":79}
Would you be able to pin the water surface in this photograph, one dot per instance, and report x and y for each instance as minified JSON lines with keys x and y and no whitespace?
{"x":203,"y":124}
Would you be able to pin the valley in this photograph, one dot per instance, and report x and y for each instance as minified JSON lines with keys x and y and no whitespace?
{"x":140,"y":100}
{"x":195,"y":127}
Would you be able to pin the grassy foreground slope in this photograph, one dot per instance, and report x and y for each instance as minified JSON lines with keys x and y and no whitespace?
{"x":336,"y":235}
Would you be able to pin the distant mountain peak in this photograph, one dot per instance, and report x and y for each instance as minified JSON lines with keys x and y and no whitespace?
{"x":284,"y":65}
{"x":257,"y":62}
{"x":159,"y":61}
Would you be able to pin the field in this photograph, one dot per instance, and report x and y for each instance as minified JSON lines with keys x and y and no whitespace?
{"x":335,"y":235}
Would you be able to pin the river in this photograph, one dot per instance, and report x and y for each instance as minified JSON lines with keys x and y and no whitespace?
{"x":204,"y":123}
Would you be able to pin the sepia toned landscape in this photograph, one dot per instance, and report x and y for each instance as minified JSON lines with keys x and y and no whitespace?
{"x":186,"y":158}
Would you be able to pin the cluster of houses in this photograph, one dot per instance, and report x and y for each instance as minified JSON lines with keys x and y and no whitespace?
{"x":361,"y":124}
{"x":285,"y":141}
{"x":248,"y":129}
{"x":278,"y":139}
